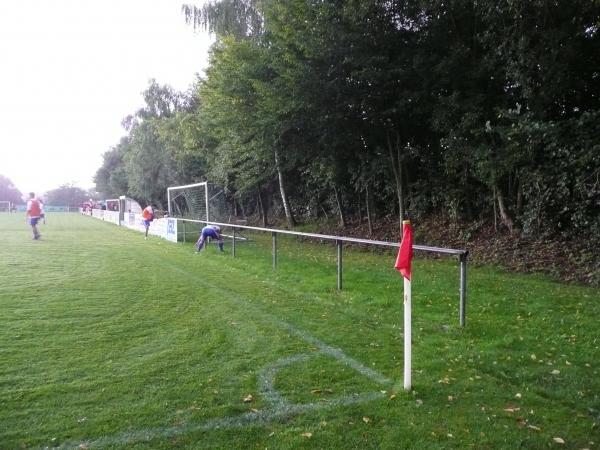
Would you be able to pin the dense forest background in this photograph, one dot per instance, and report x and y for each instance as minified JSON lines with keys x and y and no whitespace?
{"x":480,"y":118}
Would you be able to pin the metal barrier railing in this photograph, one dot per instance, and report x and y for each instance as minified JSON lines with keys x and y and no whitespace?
{"x":339,"y":240}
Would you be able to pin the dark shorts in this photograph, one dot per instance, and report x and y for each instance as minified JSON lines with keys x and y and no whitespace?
{"x":33,"y":220}
{"x":146,"y":223}
{"x":210,"y":232}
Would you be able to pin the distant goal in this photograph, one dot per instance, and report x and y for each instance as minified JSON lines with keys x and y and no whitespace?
{"x":198,"y":201}
{"x":5,"y":206}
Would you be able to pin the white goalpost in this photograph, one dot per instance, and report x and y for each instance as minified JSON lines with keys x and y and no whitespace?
{"x":5,"y":206}
{"x":197,"y":201}
{"x":189,"y":201}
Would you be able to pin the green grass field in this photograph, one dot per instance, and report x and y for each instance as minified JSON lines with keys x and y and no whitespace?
{"x":110,"y":341}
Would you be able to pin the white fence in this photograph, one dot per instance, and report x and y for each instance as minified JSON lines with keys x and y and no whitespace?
{"x":165,"y":228}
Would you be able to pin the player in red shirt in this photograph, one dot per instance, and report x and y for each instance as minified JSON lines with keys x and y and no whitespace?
{"x":147,"y":217}
{"x":34,"y":210}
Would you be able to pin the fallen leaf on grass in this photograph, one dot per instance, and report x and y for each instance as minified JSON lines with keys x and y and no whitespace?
{"x":321,"y":391}
{"x":555,"y":372}
{"x":308,"y":434}
{"x":534,"y":428}
{"x":558,"y":440}
{"x":366,"y":419}
{"x":248,"y":398}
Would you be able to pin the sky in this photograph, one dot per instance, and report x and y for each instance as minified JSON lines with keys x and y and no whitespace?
{"x":71,"y":70}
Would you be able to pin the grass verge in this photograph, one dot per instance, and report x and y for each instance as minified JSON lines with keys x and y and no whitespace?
{"x":110,"y":341}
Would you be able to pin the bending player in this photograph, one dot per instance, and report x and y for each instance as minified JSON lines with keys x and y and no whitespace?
{"x":210,"y":231}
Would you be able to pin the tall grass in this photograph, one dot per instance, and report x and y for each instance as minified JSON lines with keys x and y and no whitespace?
{"x":110,"y":341}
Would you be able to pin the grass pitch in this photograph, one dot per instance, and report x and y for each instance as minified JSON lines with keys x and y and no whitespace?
{"x":110,"y":341}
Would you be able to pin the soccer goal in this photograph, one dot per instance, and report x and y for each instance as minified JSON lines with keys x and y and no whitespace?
{"x":5,"y":206}
{"x":198,"y":201}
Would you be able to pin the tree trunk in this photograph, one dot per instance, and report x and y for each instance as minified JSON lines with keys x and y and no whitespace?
{"x":338,"y":200}
{"x":396,"y":161}
{"x":368,"y":206}
{"x":241,"y":204}
{"x":261,"y":209}
{"x":360,"y":214}
{"x":504,"y":216}
{"x":494,"y":205}
{"x":519,"y":202}
{"x":286,"y":204}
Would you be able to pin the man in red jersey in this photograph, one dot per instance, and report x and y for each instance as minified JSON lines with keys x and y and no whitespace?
{"x":147,"y":217}
{"x":33,"y":213}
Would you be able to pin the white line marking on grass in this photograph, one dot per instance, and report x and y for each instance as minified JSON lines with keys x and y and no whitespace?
{"x":244,"y":420}
{"x":335,"y":353}
{"x":266,"y":380}
{"x":279,"y":407}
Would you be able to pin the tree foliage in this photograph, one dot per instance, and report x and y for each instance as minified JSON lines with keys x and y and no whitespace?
{"x":67,"y":195}
{"x":9,"y":192}
{"x":482,"y":111}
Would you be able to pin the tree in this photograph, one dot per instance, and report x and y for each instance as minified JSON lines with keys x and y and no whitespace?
{"x":9,"y":192}
{"x":146,"y":161}
{"x":67,"y":195}
{"x":461,"y":109}
{"x":111,"y":179}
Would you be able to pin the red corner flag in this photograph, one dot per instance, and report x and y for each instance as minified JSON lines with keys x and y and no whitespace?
{"x":405,"y":253}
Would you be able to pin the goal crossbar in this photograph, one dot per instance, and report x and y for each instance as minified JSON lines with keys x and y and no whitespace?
{"x":187,"y":186}
{"x":172,"y":189}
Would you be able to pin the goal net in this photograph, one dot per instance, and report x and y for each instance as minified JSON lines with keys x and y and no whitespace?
{"x":4,"y":206}
{"x":198,"y":201}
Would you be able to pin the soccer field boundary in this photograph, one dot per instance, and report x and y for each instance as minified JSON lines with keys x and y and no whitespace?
{"x":279,"y":408}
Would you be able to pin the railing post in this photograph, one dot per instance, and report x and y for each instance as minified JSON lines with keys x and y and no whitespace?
{"x":183,"y":230}
{"x":339,"y":264}
{"x":274,"y":236}
{"x":463,"y":289}
{"x":233,"y":243}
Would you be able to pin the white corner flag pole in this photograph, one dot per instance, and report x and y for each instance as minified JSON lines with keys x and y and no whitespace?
{"x":403,"y":264}
{"x":407,"y":334}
